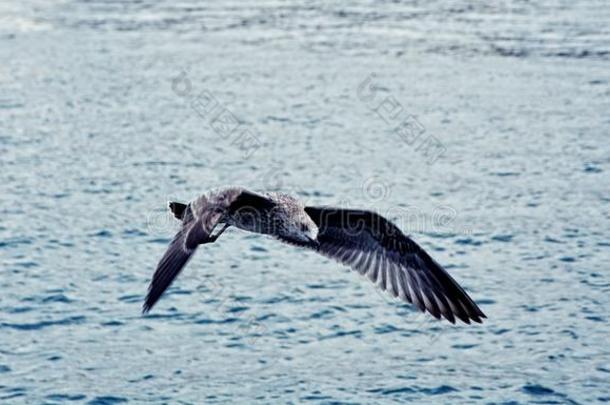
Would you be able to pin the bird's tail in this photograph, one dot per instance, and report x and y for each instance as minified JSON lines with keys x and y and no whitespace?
{"x":177,"y":209}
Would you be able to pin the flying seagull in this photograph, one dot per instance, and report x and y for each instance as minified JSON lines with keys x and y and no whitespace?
{"x":363,"y":240}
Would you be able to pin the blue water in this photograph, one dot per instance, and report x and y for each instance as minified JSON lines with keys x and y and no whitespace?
{"x":107,"y":111}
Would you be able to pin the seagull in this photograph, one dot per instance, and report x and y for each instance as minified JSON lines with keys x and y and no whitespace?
{"x":363,"y":240}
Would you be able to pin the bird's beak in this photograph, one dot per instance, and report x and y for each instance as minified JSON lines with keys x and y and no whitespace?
{"x":314,"y":243}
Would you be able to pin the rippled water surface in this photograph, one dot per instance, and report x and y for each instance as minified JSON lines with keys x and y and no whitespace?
{"x":105,"y":114}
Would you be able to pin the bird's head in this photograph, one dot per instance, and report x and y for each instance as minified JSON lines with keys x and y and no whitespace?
{"x":295,"y":225}
{"x":304,"y":230}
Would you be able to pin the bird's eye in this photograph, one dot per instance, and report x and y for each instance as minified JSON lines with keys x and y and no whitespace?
{"x":303,"y":227}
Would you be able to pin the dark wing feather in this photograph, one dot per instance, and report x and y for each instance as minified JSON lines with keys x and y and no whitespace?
{"x":179,"y":252}
{"x":198,"y":220}
{"x":373,"y":246}
{"x":170,"y":265}
{"x":250,"y":200}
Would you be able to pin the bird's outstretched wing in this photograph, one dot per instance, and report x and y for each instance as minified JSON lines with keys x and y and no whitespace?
{"x":198,"y":221}
{"x":375,"y":247}
{"x":170,"y":265}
